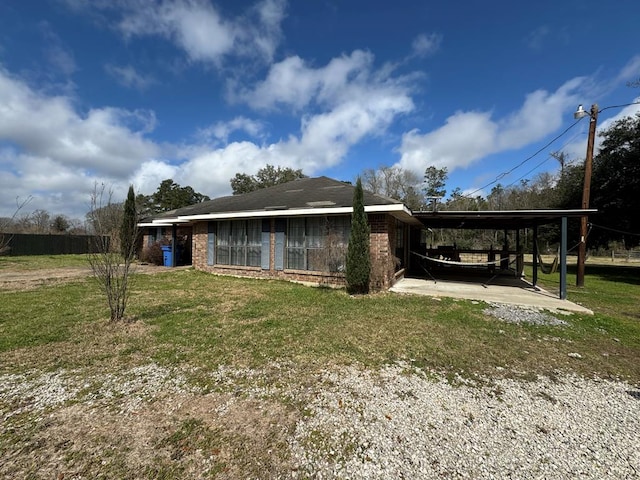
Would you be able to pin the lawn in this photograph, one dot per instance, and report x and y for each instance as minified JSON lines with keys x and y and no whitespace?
{"x":227,"y":338}
{"x":38,"y":262}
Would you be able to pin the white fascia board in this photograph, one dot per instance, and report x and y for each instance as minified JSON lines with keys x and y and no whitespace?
{"x":394,"y":207}
{"x":297,"y":212}
{"x":577,"y":211}
{"x":150,"y":224}
{"x":168,"y":221}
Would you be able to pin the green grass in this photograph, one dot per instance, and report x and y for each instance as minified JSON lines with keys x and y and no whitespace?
{"x":37,"y":262}
{"x":46,"y":315}
{"x":192,"y":318}
{"x":193,"y":322}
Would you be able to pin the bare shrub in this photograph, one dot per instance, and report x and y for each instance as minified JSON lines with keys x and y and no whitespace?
{"x":331,"y":257}
{"x":110,"y":267}
{"x":7,"y":223}
{"x":153,"y":254}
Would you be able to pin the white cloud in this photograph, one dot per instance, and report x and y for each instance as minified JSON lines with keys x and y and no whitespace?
{"x":52,"y":149}
{"x":200,"y":29}
{"x":151,"y":173}
{"x":541,"y":114}
{"x":129,"y":77}
{"x":261,"y":30}
{"x":631,"y":71}
{"x":292,"y":84}
{"x":221,"y":130}
{"x":324,"y":140}
{"x":350,"y":100}
{"x":341,"y":103}
{"x":469,"y":136}
{"x":424,"y":45}
{"x":464,"y":138}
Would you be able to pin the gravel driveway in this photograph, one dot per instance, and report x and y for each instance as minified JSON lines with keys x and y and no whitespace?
{"x":396,"y":422}
{"x":405,"y":423}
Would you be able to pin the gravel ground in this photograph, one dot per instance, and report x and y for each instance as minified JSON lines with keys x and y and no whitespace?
{"x":402,"y":423}
{"x":397,"y":422}
{"x":530,"y":315}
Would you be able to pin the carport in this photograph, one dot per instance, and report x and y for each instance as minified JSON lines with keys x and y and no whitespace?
{"x":507,"y":221}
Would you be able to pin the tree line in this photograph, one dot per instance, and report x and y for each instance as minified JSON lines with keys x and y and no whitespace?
{"x":615,"y":185}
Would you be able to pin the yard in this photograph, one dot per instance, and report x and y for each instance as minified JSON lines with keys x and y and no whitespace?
{"x":223,"y":377}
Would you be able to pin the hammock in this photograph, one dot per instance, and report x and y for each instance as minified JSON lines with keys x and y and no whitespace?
{"x":547,"y":269}
{"x":461,"y":264}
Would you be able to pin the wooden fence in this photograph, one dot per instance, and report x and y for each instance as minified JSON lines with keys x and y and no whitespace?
{"x":628,"y":255}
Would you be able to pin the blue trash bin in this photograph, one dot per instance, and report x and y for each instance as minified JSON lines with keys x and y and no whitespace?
{"x":167,"y":255}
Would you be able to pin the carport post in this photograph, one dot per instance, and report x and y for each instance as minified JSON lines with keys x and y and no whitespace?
{"x":174,"y":246}
{"x":535,"y":255}
{"x":563,"y":259}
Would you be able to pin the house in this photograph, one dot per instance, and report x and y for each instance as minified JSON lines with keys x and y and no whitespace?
{"x":294,"y":231}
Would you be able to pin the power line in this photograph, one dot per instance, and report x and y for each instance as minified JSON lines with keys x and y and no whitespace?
{"x":504,"y":174}
{"x":618,"y":106}
{"x":545,"y":160}
{"x":617,"y":231}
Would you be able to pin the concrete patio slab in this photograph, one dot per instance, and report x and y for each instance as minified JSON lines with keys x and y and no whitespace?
{"x":510,"y":291}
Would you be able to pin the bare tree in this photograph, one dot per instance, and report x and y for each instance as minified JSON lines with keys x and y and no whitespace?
{"x":394,"y":182}
{"x":111,"y":267}
{"x":41,"y":221}
{"x":7,"y":222}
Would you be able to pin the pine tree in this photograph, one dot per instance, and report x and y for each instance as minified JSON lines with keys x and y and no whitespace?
{"x":358,"y":260}
{"x":128,"y":228}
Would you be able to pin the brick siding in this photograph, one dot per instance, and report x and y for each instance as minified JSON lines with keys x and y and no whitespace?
{"x":382,"y":248}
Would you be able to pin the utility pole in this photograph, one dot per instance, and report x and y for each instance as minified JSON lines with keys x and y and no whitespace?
{"x":586,"y":191}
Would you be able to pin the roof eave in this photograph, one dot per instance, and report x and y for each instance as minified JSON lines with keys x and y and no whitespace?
{"x":396,"y":208}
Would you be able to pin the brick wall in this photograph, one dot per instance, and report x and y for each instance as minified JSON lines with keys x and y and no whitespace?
{"x":382,"y":249}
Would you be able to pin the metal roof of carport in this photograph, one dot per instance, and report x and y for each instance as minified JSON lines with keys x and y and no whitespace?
{"x":496,"y":219}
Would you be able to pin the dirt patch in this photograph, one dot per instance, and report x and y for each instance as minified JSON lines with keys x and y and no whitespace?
{"x":30,"y":279}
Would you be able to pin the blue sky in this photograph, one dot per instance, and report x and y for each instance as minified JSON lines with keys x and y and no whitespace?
{"x":133,"y":91}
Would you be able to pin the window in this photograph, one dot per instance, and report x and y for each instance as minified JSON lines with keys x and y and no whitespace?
{"x":317,"y":243}
{"x":239,"y":242}
{"x":155,"y":235}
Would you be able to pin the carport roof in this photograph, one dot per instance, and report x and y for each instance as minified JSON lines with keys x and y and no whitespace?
{"x":496,"y":219}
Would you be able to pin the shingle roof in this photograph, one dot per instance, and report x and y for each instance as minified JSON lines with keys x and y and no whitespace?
{"x":302,"y":193}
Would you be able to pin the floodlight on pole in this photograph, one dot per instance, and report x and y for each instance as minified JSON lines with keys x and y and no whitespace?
{"x":580,"y":113}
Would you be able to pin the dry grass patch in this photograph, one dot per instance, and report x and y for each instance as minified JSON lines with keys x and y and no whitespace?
{"x":99,"y":344}
{"x":180,"y":436}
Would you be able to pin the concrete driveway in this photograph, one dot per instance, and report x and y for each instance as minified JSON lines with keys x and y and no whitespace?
{"x":503,"y":289}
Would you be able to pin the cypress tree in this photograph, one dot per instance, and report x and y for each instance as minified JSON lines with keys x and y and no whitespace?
{"x":358,"y":260}
{"x":128,"y":228}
